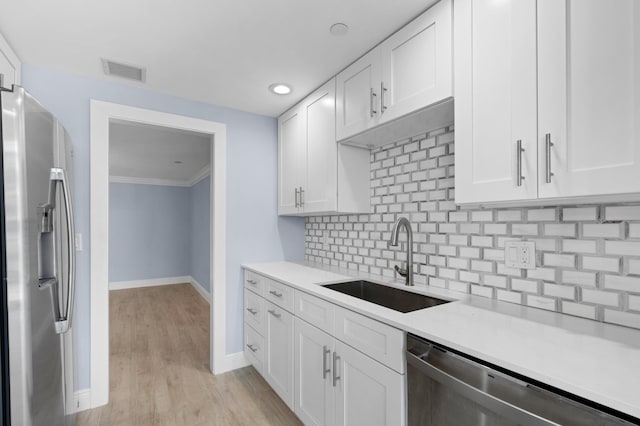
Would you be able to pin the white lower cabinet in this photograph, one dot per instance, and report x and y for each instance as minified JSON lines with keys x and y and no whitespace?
{"x":338,"y":385}
{"x":314,"y":391}
{"x":367,"y":392}
{"x":323,"y":379}
{"x":278,"y":371}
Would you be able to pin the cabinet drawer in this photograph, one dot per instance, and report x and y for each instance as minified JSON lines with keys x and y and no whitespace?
{"x":254,"y":347}
{"x":254,"y":282}
{"x":254,"y":311}
{"x":379,"y":341}
{"x":278,"y":293}
{"x":315,"y":311}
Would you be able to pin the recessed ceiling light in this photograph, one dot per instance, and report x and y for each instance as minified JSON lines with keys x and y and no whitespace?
{"x":280,"y":89}
{"x":177,"y":162}
{"x":339,"y":29}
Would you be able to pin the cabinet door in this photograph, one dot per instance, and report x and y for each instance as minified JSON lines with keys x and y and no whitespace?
{"x":254,"y":348}
{"x":320,"y":191}
{"x":589,"y":52}
{"x":417,"y":63}
{"x":358,"y":95}
{"x":367,"y":392}
{"x":314,"y":402}
{"x":278,"y":363}
{"x":495,"y":91}
{"x":292,"y":161}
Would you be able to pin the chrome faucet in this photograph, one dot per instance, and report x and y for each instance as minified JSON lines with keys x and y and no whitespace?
{"x":407,"y":273}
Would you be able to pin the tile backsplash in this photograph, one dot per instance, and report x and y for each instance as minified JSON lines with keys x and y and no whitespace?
{"x":588,"y":256}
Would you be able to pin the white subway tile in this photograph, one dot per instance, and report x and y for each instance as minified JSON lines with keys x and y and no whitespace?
{"x":495,"y":228}
{"x":509,"y":296}
{"x":505,"y":270}
{"x":558,"y":290}
{"x":469,"y":277}
{"x":495,"y":281}
{"x":560,"y":230}
{"x":616,"y":282}
{"x":542,"y":215}
{"x":579,"y":310}
{"x":547,"y":274}
{"x":482,"y":216}
{"x":579,"y":214}
{"x":633,"y":266}
{"x":598,"y":297}
{"x":457,"y":262}
{"x":602,"y":230}
{"x":509,"y":215}
{"x":560,"y":260}
{"x":579,"y":246}
{"x":524,"y":229}
{"x":622,"y":213}
{"x":624,"y":248}
{"x":608,"y":264}
{"x":482,"y":266}
{"x":585,"y":279}
{"x":482,"y":291}
{"x":634,"y":230}
{"x":459,"y":287}
{"x":493,"y":254}
{"x":634,"y":302}
{"x":541,"y":302}
{"x":479,"y":241}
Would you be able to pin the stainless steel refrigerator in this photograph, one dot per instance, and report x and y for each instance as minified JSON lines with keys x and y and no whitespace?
{"x":38,"y":264}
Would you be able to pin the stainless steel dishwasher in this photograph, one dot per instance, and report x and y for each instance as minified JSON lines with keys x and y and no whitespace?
{"x":446,"y":388}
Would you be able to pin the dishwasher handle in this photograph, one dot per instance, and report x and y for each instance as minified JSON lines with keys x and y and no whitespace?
{"x":475,"y":394}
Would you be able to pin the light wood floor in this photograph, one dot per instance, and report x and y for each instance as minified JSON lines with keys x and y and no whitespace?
{"x":160,"y":375}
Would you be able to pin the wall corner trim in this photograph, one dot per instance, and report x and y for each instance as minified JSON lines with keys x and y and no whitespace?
{"x":200,"y":289}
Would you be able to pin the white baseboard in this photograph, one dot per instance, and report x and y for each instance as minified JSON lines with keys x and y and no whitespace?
{"x":121,"y":285}
{"x":200,"y":289}
{"x":232,"y":362}
{"x":81,"y":400}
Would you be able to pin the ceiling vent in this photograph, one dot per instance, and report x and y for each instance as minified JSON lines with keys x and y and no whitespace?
{"x":129,"y":72}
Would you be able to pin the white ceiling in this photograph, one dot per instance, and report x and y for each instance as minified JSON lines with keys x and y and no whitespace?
{"x":147,"y":153}
{"x":225,"y":52}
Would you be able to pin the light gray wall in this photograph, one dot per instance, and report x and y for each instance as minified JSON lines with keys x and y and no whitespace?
{"x":589,"y":256}
{"x":149,"y":231}
{"x":255,"y":233}
{"x":200,"y":224}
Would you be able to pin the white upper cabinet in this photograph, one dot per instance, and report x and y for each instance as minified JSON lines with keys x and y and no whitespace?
{"x":315,"y":175}
{"x":557,"y":78}
{"x":589,"y":97}
{"x":495,"y":100}
{"x":410,"y":70}
{"x":416,"y":64}
{"x":292,"y":154}
{"x":10,"y":66}
{"x":358,"y":89}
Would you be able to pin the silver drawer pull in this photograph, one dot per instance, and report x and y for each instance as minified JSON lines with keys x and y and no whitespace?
{"x":335,"y":377}
{"x":252,"y":348}
{"x":547,"y":169}
{"x":325,"y":369}
{"x":275,"y":293}
{"x":274,"y":313}
{"x":254,"y":282}
{"x":252,"y":311}
{"x":519,"y":151}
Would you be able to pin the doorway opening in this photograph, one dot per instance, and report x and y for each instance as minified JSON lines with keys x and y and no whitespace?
{"x":106,"y":120}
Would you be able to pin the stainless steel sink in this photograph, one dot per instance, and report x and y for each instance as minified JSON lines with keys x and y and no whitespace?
{"x":389,"y":297}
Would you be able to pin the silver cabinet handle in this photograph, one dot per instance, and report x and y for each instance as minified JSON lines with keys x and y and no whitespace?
{"x":252,"y":311}
{"x":383,"y":90}
{"x":275,"y":293}
{"x":254,"y":282}
{"x":548,"y":145}
{"x":335,"y":378}
{"x":296,"y":197}
{"x":325,"y":370}
{"x":301,"y":197}
{"x":372,"y":95}
{"x":519,"y":151}
{"x":252,"y":348}
{"x":274,"y":313}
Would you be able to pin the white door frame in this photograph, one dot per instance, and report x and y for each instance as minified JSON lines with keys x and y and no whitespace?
{"x":101,"y":114}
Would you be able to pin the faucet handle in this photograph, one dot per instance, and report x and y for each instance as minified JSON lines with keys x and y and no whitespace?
{"x":402,"y":272}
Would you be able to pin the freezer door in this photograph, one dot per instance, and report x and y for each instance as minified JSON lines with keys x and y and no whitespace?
{"x":35,"y":352}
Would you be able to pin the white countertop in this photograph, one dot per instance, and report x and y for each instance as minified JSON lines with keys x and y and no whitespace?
{"x":596,"y":361}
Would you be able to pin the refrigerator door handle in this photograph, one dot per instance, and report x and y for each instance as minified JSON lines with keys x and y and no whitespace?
{"x":64,"y":323}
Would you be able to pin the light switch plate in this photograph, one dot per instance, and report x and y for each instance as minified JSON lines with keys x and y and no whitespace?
{"x":520,"y":254}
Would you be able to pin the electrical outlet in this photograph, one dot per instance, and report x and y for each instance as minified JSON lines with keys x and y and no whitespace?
{"x":520,"y":254}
